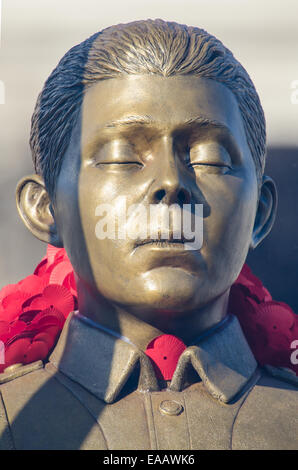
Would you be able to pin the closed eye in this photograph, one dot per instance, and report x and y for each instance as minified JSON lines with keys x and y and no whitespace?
{"x":139,"y":164}
{"x":209,"y":168}
{"x":224,"y":165}
{"x":210,"y":155}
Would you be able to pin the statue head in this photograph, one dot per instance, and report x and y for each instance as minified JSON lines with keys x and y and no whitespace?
{"x":150,"y":114}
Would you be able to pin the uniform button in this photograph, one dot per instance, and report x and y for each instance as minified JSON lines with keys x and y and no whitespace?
{"x":170,"y":407}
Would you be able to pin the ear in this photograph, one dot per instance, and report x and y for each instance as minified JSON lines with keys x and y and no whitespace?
{"x":35,"y":209}
{"x":266,"y":211}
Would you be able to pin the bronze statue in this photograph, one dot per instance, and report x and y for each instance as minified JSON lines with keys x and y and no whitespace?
{"x":160,"y":114}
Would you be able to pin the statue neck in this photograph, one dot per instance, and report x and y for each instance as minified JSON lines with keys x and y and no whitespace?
{"x":141,"y":326}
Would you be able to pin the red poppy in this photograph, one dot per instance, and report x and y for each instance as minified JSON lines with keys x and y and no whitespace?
{"x":164,"y":352}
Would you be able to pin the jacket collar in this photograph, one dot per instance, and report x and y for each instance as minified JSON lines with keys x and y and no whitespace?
{"x":102,"y":363}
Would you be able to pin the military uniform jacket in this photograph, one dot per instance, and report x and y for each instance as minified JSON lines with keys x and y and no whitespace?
{"x":100,"y":392}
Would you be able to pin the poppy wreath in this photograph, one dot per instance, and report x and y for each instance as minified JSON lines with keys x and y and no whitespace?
{"x":33,"y":312}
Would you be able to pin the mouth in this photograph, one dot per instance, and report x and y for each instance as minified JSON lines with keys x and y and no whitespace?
{"x":160,"y":242}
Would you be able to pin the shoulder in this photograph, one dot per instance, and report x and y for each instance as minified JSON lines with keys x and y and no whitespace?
{"x":18,"y":370}
{"x":19,"y":382}
{"x":268,"y":418}
{"x":31,"y":398}
{"x":14,"y":393}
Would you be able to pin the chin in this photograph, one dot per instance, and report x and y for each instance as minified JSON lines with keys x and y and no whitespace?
{"x":173,"y":289}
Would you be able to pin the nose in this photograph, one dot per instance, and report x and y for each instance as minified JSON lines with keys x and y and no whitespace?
{"x":169,"y":187}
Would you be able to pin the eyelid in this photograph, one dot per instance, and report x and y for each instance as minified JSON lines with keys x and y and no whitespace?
{"x":211,"y":153}
{"x":120,"y":163}
{"x":224,"y":165}
{"x":115,"y":152}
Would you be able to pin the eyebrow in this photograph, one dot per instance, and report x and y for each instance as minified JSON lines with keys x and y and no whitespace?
{"x":133,"y":121}
{"x":129,"y":121}
{"x":146,"y":120}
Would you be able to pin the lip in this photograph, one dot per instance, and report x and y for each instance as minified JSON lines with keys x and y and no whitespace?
{"x":167,"y":254}
{"x":168,"y":238}
{"x":157,"y":253}
{"x":164,"y":244}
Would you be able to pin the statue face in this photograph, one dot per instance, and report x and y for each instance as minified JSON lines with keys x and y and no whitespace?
{"x":157,"y":140}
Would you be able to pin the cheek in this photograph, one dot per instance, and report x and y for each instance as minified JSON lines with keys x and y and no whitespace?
{"x":228,"y":228}
{"x":93,"y":193}
{"x":77,"y":199}
{"x":71,"y":225}
{"x":97,"y":192}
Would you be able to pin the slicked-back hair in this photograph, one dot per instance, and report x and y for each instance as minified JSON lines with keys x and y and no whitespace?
{"x":142,"y":47}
